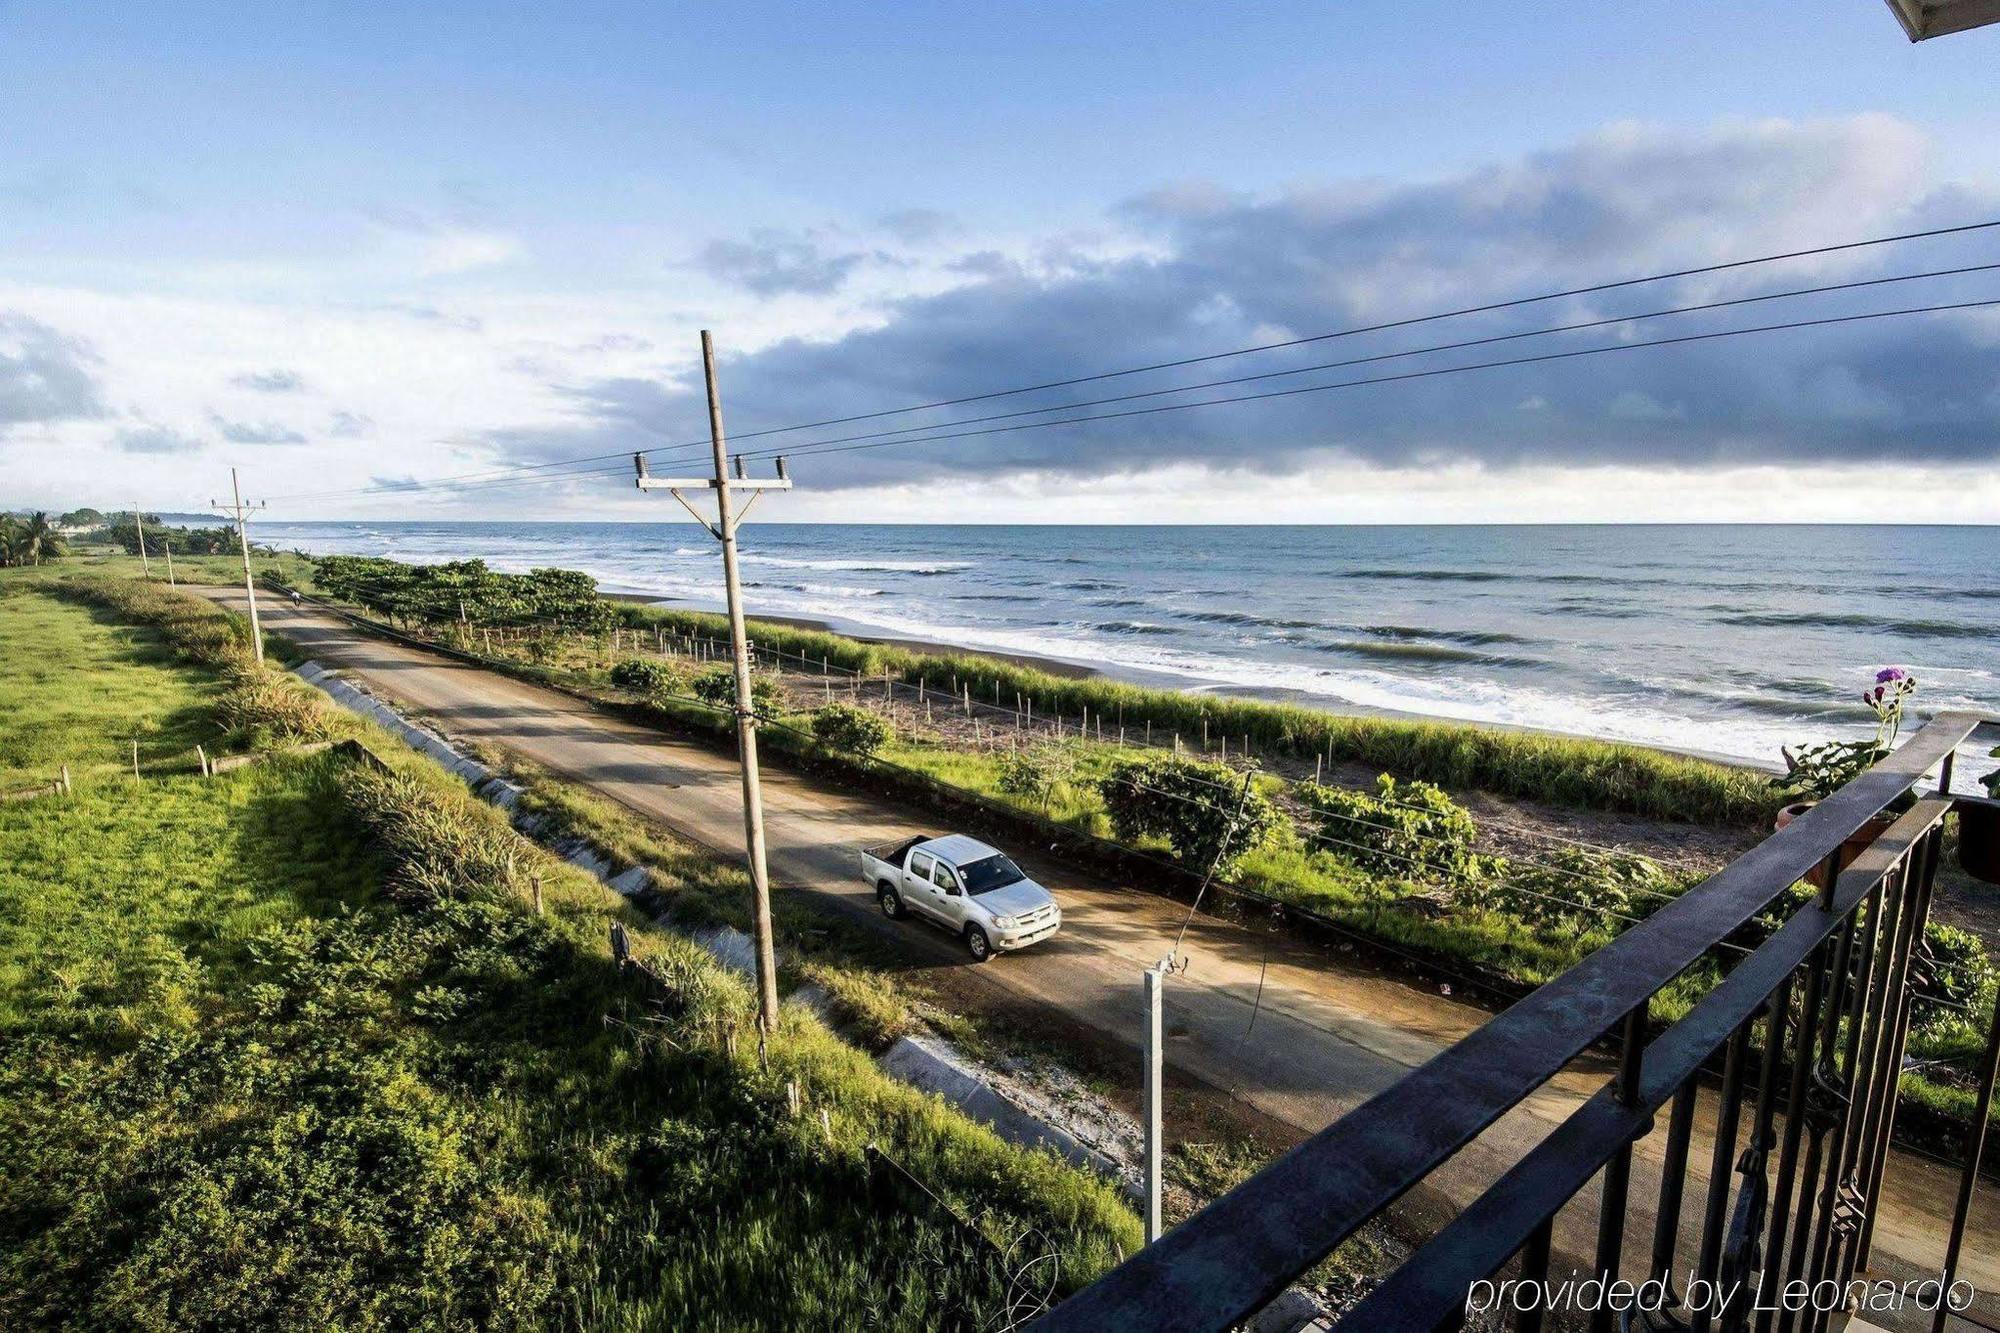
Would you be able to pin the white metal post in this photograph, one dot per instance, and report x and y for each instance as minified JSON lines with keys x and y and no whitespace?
{"x":1155,"y":977}
{"x":139,"y":526}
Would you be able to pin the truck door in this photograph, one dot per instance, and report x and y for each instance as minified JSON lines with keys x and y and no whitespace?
{"x":919,"y":890}
{"x":951,"y":897}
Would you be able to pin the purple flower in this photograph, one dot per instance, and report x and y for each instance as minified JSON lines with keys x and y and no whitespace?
{"x":1887,"y":674}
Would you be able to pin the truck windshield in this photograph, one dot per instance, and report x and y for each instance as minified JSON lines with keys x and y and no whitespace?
{"x":994,"y":872}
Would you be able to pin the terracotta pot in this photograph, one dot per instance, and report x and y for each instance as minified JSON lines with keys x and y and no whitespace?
{"x":1979,"y":837}
{"x":1858,"y":842}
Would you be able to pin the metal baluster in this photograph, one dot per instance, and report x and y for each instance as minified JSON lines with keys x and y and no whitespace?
{"x":1824,"y":1107}
{"x":1832,"y":1209}
{"x":1535,"y":1270}
{"x":1720,"y":1161}
{"x":1975,"y":1148}
{"x":1618,"y":1171}
{"x":1795,"y":1122}
{"x":1898,"y":912}
{"x":1927,"y":860}
{"x":1673,"y":1182}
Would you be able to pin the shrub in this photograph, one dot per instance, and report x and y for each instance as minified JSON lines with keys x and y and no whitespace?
{"x":1953,"y":970}
{"x":717,"y":685}
{"x":636,"y":673}
{"x":269,"y":708}
{"x":1576,"y":889}
{"x":1193,"y":804}
{"x":1038,"y":772}
{"x":845,"y":727}
{"x":1410,"y":831}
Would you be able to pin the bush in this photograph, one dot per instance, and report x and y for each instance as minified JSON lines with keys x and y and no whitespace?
{"x":1037,"y":773}
{"x":1413,"y":831}
{"x":1576,"y":890}
{"x":646,"y":677}
{"x":1192,"y":803}
{"x":268,"y":708}
{"x":845,"y":727}
{"x":1953,"y":969}
{"x":717,"y":685}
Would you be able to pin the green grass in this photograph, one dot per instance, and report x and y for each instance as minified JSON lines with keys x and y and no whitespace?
{"x":64,"y":700}
{"x":287,"y":1048}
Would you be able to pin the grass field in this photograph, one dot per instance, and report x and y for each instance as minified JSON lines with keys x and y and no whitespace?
{"x":65,"y":697}
{"x":288,"y":1049}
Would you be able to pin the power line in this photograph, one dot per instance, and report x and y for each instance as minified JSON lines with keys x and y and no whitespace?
{"x":841,"y":446}
{"x":881,"y":439}
{"x":1407,"y":322}
{"x":1417,"y":351}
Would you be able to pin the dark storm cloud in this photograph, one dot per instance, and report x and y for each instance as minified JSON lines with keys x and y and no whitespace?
{"x":269,"y":381}
{"x":1218,"y":270}
{"x":44,"y":376}
{"x":255,"y":432}
{"x":774,"y":263}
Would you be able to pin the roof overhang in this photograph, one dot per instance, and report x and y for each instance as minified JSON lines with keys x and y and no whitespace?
{"x":1935,"y":18}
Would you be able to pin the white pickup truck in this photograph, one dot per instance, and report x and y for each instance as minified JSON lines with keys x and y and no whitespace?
{"x":965,"y":886}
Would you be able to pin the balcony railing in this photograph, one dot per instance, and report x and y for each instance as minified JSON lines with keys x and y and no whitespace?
{"x":1792,"y":1059}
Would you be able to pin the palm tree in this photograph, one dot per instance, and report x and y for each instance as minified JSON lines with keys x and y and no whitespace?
{"x":41,"y":538}
{"x":11,"y":540}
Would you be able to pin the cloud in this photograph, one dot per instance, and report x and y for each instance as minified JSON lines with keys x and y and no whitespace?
{"x":347,"y":425}
{"x":453,"y":250}
{"x":773,"y":263}
{"x":442,"y":246}
{"x":255,"y":432}
{"x":1207,"y":270}
{"x":918,"y":226}
{"x":269,"y":381}
{"x":151,"y":439}
{"x":45,"y":377}
{"x":402,"y":483}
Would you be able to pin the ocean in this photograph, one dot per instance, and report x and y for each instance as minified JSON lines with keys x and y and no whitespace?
{"x":1723,"y":640}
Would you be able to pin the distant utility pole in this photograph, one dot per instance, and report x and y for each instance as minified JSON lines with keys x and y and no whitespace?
{"x":727,"y":520}
{"x":241,"y":513}
{"x":1155,"y":978}
{"x":139,"y":526}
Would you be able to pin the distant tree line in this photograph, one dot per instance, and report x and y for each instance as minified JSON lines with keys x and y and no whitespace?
{"x":124,"y":533}
{"x":466,"y":591}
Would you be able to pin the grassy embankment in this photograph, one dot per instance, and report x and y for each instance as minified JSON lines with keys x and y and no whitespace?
{"x":287,"y":1047}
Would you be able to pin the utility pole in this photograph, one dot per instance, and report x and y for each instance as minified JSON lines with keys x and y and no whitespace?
{"x":167,"y":546}
{"x":139,"y":526}
{"x":728,"y":519}
{"x":241,"y":513}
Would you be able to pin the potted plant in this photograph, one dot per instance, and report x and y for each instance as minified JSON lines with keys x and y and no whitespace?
{"x":1815,"y":772}
{"x":1979,"y":829}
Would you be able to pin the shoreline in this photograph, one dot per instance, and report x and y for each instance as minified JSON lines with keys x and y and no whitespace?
{"x":1072,"y":670}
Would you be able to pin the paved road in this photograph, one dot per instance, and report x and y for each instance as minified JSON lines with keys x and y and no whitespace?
{"x":1325,"y":1038}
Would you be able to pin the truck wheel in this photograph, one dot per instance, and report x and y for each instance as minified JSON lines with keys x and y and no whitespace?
{"x":977,"y":944}
{"x":892,"y":902}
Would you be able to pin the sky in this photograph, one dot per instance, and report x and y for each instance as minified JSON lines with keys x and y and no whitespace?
{"x":350,"y":251}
